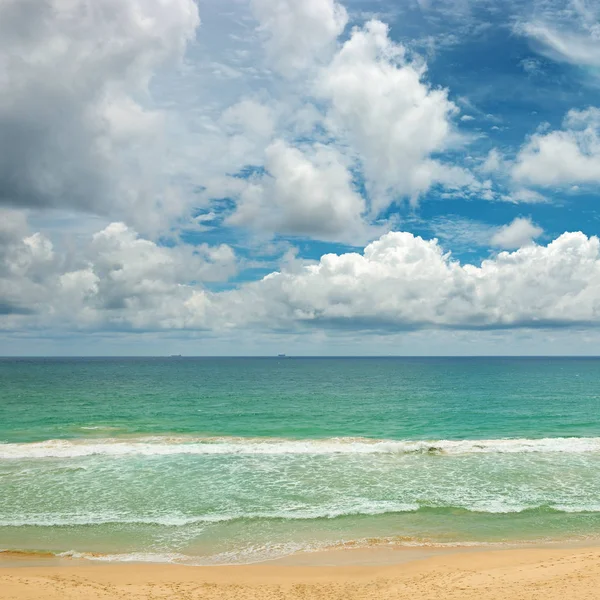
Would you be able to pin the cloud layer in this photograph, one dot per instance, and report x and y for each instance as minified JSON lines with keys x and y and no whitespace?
{"x":304,"y":150}
{"x":400,"y":281}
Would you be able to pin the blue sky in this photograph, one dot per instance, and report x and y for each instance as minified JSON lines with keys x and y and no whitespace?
{"x":264,"y":176}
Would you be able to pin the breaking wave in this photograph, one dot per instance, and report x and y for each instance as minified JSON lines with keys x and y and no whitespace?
{"x":157,"y":446}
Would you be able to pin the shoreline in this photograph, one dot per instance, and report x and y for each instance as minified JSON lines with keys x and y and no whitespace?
{"x":531,"y":573}
{"x":329,"y":557}
{"x":339,"y":555}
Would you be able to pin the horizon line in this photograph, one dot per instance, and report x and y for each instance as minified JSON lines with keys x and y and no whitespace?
{"x":179,"y":356}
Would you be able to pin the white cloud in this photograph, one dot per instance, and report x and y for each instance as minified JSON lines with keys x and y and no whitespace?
{"x":493,"y":162}
{"x":304,"y":192}
{"x":580,"y":47}
{"x":135,"y":279}
{"x":299,"y":34}
{"x":249,"y":117}
{"x":461,"y":234}
{"x":524,"y":195}
{"x":116,"y":279}
{"x":77,"y":127}
{"x":363,"y":111}
{"x":531,"y":66}
{"x":403,"y":281}
{"x":520,"y":232}
{"x":89,"y":136}
{"x":564,"y":31}
{"x":498,"y":167}
{"x":399,"y":282}
{"x":561,"y":157}
{"x":391,"y":119}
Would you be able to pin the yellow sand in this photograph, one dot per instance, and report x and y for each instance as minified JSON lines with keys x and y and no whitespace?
{"x":523,"y":574}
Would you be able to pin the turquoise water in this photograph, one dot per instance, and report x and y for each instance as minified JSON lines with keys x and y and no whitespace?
{"x":238,"y":460}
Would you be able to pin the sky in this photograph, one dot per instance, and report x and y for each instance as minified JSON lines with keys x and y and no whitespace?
{"x":255,"y":177}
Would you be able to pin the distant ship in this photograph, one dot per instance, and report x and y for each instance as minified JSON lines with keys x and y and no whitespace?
{"x":281,"y":356}
{"x":175,"y":356}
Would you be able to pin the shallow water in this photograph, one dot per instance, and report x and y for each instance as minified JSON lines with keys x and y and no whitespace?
{"x":239,"y":460}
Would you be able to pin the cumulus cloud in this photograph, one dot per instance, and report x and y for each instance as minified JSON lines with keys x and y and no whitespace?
{"x":77,"y":129}
{"x":402,"y":281}
{"x":134,"y":279}
{"x":365,"y":114}
{"x":303,"y":192}
{"x":520,"y":232}
{"x":26,"y":259}
{"x":380,"y":105}
{"x":367,"y":130}
{"x":116,"y":279}
{"x":299,"y":34}
{"x":398,"y":282}
{"x":570,"y":155}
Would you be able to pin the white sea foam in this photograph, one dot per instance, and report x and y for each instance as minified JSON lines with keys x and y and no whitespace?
{"x":157,"y":446}
{"x":362,"y":508}
{"x":249,"y":554}
{"x":58,"y":520}
{"x":177,"y":520}
{"x":138,"y":557}
{"x":259,"y":553}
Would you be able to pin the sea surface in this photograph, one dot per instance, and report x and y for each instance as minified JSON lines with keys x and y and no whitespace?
{"x":228,"y":460}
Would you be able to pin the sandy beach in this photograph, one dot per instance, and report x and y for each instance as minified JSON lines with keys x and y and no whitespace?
{"x":516,"y":574}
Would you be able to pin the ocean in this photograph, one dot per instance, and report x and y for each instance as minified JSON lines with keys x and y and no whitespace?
{"x":238,"y":460}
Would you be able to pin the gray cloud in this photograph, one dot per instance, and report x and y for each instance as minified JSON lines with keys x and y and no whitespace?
{"x":76,"y":124}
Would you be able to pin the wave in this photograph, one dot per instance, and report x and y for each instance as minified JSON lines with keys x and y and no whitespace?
{"x":165,"y":446}
{"x":323,"y":512}
{"x":317,"y":513}
{"x":258,"y":553}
